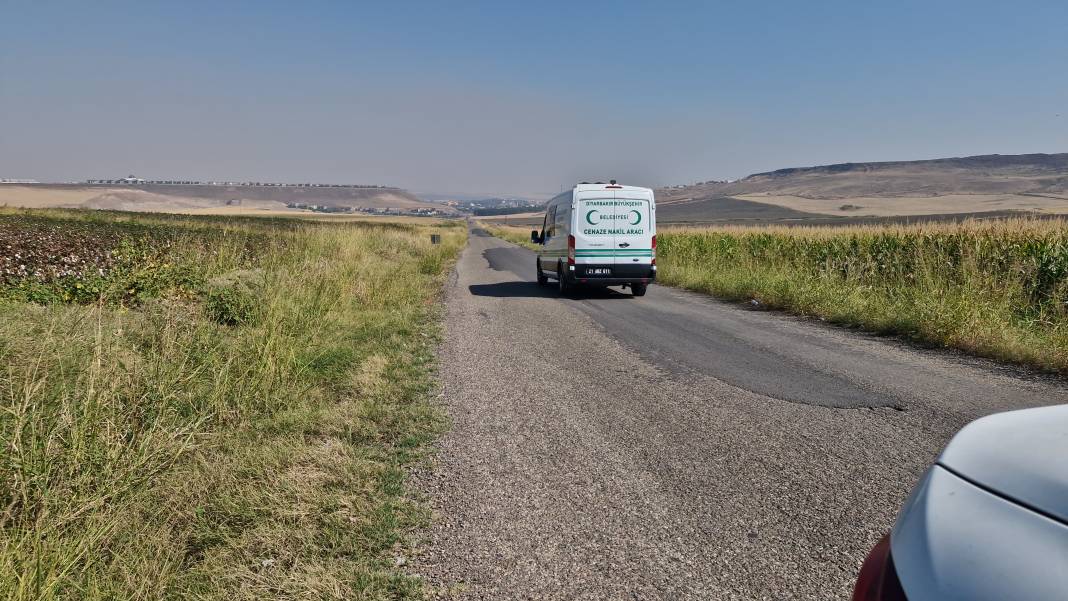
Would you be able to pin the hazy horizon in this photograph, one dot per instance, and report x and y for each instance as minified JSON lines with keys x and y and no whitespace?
{"x":491,"y":99}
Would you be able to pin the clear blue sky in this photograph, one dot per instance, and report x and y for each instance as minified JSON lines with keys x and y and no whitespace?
{"x":520,"y":97}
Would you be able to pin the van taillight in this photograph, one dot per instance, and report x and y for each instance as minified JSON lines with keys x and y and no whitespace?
{"x":654,"y":249}
{"x":570,"y":250}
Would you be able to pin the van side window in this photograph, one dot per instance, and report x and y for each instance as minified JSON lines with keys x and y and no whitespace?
{"x":563,"y":216}
{"x":545,"y":225}
{"x":551,"y":218}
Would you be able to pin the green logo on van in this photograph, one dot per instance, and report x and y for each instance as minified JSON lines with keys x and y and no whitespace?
{"x":592,"y":214}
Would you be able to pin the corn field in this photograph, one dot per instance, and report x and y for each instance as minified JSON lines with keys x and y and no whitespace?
{"x":994,"y":288}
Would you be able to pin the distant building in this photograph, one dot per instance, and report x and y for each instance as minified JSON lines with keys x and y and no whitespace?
{"x":131,"y":180}
{"x":128,"y":180}
{"x":5,"y":180}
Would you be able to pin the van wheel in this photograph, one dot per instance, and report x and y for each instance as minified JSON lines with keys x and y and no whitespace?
{"x":561,"y":280}
{"x":638,"y":289}
{"x":542,"y":278}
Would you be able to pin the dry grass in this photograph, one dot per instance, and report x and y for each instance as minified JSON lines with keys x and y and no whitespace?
{"x":515,"y":234}
{"x":150,"y":451}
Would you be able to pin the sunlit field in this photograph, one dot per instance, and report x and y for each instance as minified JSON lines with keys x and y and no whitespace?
{"x":213,"y":407}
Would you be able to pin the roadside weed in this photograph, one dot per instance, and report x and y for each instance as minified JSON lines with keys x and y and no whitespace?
{"x":182,"y":441}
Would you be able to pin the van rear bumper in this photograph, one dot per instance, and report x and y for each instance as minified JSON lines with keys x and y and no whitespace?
{"x":587,"y":273}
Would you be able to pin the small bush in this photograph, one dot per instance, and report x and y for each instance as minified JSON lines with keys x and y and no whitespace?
{"x":234,"y":299}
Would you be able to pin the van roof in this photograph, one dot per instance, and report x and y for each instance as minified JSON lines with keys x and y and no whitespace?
{"x":587,"y":187}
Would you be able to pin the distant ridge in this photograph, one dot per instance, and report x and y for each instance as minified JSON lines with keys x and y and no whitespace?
{"x":1031,"y":163}
{"x":973,"y":185}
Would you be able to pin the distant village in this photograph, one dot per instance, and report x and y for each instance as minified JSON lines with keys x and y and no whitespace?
{"x":704,"y":183}
{"x":449,"y":208}
{"x":421,"y":211}
{"x":316,"y":205}
{"x":135,"y":181}
{"x":305,"y":206}
{"x":495,"y":206}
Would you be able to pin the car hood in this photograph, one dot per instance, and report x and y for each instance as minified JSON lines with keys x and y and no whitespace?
{"x":955,"y":541}
{"x":1020,"y":455}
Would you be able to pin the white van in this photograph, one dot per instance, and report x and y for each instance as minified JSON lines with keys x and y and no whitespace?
{"x":598,"y":235}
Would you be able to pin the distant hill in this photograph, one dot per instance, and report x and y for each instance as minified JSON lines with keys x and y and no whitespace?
{"x":952,"y":186}
{"x":207,"y":198}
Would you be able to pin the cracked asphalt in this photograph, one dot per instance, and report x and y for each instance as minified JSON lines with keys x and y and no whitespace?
{"x":674,"y":446}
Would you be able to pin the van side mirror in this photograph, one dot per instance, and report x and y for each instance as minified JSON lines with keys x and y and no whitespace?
{"x":535,"y":237}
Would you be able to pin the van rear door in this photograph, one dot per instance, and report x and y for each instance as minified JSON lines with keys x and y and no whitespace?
{"x":632,"y":230}
{"x":594,"y":238}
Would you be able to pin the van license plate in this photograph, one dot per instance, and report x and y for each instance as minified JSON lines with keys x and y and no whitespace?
{"x":599,"y":271}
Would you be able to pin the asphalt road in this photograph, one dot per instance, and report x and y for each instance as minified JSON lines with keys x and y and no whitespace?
{"x":674,"y":446}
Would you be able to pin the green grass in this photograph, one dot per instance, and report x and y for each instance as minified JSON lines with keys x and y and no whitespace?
{"x":238,"y":429}
{"x":996,"y":289}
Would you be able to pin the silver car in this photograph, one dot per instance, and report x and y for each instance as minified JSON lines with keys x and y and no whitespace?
{"x":988,"y":521}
